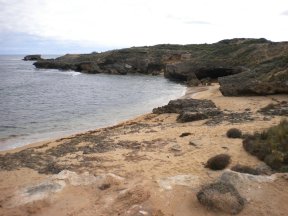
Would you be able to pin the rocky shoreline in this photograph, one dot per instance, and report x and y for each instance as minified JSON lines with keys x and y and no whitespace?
{"x":242,"y":66}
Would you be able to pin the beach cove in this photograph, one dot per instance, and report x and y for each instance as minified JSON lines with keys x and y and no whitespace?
{"x":219,"y":149}
{"x":140,"y":165}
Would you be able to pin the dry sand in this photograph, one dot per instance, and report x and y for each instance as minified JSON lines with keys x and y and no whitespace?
{"x":153,"y":170}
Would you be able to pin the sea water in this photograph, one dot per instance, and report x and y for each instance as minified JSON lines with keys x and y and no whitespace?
{"x":38,"y":104}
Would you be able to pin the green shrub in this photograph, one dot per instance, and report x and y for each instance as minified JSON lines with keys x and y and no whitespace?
{"x":218,"y":162}
{"x":271,"y":146}
{"x":221,"y":196}
{"x":234,"y":133}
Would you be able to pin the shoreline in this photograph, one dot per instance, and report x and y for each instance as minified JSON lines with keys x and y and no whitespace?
{"x":188,"y":92}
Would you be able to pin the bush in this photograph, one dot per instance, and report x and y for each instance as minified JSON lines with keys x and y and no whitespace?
{"x":221,"y":196}
{"x":234,"y":133}
{"x":270,"y":146}
{"x":245,"y":169}
{"x":218,"y":162}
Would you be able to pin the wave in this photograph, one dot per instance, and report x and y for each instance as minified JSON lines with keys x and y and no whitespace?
{"x":72,"y":73}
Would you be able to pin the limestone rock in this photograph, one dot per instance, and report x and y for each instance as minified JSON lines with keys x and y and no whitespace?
{"x":191,"y":116}
{"x":185,"y":105}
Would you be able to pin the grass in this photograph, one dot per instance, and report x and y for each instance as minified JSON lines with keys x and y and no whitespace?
{"x":270,"y":146}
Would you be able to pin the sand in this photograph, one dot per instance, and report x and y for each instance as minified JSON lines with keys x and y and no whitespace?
{"x":153,"y":170}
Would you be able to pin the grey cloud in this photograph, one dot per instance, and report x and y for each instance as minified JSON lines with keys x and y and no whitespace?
{"x":285,"y":13}
{"x":22,"y":43}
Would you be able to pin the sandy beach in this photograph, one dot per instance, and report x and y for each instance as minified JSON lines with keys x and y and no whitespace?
{"x":141,"y":166}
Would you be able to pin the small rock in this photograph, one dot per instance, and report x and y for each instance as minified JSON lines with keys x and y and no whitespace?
{"x":104,"y":186}
{"x":176,"y":148}
{"x":185,"y":134}
{"x":193,"y":143}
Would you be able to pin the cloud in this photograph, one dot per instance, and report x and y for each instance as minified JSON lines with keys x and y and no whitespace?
{"x":125,"y":23}
{"x":285,"y":13}
{"x":197,"y":22}
{"x":22,"y":43}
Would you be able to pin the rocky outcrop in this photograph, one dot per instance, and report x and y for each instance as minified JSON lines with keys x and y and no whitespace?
{"x":32,"y":58}
{"x":270,"y":77}
{"x":243,"y":66}
{"x":189,"y":109}
{"x":185,"y":105}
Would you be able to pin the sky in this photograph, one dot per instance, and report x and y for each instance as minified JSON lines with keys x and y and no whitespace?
{"x":83,"y":26}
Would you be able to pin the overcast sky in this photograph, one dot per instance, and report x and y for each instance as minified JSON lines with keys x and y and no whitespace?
{"x":67,"y":26}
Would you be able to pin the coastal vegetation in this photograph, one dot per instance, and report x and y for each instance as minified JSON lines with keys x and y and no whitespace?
{"x":234,"y":133}
{"x":270,"y":145}
{"x":218,"y":162}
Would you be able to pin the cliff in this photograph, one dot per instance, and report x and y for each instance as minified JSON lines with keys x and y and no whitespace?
{"x":242,"y":66}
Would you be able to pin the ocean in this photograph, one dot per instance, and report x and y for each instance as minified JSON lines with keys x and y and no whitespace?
{"x":39,"y":104}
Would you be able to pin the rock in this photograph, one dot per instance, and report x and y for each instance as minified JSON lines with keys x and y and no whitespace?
{"x":88,"y":67}
{"x":188,"y":105}
{"x":221,"y":196}
{"x":185,"y":134}
{"x":192,"y":80}
{"x":104,"y":186}
{"x":245,"y":169}
{"x":193,"y":143}
{"x":32,"y":58}
{"x":53,"y":64}
{"x":191,"y":116}
{"x":189,"y":109}
{"x":190,"y":181}
{"x":241,"y":180}
{"x":188,"y":71}
{"x":176,"y":148}
{"x":57,"y":183}
{"x":270,"y":77}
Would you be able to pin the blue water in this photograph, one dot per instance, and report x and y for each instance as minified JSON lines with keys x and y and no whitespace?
{"x":37,"y":104}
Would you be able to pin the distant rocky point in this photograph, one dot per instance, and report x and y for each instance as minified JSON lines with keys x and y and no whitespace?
{"x":242,"y":66}
{"x":32,"y":58}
